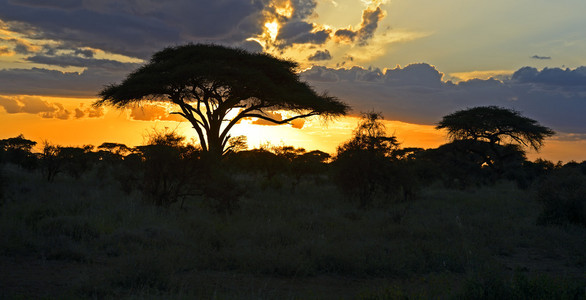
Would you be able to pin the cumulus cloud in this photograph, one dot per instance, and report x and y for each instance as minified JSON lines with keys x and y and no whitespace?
{"x":153,"y":112}
{"x":346,"y":35}
{"x":88,"y":112}
{"x":419,"y":94}
{"x":33,"y":105}
{"x":370,"y":19}
{"x":287,"y":23}
{"x":47,"y":109}
{"x":320,"y":55}
{"x":552,"y":76}
{"x":59,"y":113}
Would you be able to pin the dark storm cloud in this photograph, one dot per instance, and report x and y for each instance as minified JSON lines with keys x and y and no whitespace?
{"x":62,"y":4}
{"x":303,"y":8}
{"x":552,"y":76}
{"x":76,"y":61}
{"x":87,"y":53}
{"x":541,"y":57}
{"x":320,"y":55}
{"x":134,"y":28}
{"x":301,"y":33}
{"x":417,"y":93}
{"x":45,"y":82}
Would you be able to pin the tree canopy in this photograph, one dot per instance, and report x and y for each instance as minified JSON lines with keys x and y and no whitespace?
{"x":495,"y":125}
{"x":370,"y":135}
{"x":208,"y":82}
{"x":494,"y":135}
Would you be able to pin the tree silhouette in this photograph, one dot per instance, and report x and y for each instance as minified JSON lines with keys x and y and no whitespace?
{"x":496,"y":127}
{"x":17,"y":150}
{"x":209,"y":82}
{"x":363,"y":165}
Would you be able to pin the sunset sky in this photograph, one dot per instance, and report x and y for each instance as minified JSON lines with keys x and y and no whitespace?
{"x":413,"y":60}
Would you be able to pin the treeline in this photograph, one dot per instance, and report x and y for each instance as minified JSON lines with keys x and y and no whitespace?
{"x":370,"y":169}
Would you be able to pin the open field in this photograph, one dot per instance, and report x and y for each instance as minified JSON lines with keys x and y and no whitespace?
{"x":87,"y":238}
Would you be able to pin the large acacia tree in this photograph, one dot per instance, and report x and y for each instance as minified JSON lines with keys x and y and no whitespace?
{"x":494,"y":132}
{"x":208,"y":82}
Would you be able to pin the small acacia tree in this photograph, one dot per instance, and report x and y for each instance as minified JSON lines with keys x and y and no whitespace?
{"x":363,"y":165}
{"x":208,"y":82}
{"x":497,"y":128}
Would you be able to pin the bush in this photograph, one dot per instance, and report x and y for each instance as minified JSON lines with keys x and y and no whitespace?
{"x":363,"y":166}
{"x":170,"y":168}
{"x":493,"y":286}
{"x":563,"y":195}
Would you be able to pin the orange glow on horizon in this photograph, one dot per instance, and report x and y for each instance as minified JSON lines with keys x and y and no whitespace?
{"x":117,"y":126}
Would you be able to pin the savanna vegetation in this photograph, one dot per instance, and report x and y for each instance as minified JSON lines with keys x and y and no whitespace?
{"x":373,"y":221}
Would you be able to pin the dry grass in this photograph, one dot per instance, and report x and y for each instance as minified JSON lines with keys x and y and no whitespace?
{"x":307,"y":243}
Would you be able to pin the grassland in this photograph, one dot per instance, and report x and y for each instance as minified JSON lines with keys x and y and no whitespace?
{"x":88,"y":238}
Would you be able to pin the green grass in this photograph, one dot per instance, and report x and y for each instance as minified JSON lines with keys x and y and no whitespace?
{"x":306,"y":243}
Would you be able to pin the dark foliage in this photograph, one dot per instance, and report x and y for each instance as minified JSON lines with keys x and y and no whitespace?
{"x":17,"y":150}
{"x":74,"y":161}
{"x":495,"y":125}
{"x":170,"y":168}
{"x":494,"y":133}
{"x":464,"y":163}
{"x":563,"y":195}
{"x":366,"y":165}
{"x":50,"y":161}
{"x":494,"y":286}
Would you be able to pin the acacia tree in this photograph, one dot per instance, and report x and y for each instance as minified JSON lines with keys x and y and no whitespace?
{"x":208,"y":82}
{"x":363,"y":165}
{"x":494,"y":131}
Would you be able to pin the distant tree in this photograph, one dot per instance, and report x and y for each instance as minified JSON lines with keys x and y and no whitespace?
{"x":18,"y":142}
{"x":115,"y":148}
{"x":562,"y":194}
{"x":494,"y":126}
{"x":75,"y":160}
{"x":363,"y":165}
{"x":371,"y":135}
{"x":52,"y":164}
{"x":211,"y":83}
{"x":17,"y":150}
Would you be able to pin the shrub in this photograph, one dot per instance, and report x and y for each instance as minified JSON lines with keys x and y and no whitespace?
{"x":170,"y":168}
{"x":563,"y":195}
{"x":493,"y":286}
